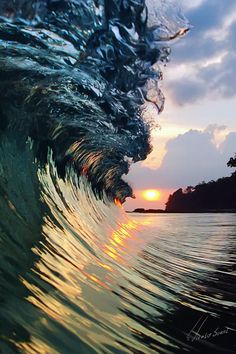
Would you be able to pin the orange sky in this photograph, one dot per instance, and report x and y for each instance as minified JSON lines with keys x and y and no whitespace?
{"x":140,"y":202}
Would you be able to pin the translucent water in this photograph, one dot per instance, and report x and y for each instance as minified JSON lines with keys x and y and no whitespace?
{"x":78,"y":80}
{"x":80,"y":276}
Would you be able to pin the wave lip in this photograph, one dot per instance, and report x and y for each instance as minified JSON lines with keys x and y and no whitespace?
{"x":77,"y":74}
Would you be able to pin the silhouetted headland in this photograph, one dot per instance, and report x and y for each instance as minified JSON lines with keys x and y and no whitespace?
{"x":214,"y":196}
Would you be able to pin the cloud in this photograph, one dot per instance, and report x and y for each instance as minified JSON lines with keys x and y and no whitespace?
{"x":191,"y":158}
{"x":228,"y":147}
{"x":220,"y":77}
{"x":208,"y":54}
{"x":210,"y":14}
{"x":215,"y":128}
{"x":187,"y":91}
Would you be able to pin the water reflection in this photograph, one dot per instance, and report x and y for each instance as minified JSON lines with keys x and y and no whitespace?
{"x":190,"y":306}
{"x":118,"y":243}
{"x":137,"y":284}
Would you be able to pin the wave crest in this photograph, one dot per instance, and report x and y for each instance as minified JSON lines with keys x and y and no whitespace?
{"x":74,"y":75}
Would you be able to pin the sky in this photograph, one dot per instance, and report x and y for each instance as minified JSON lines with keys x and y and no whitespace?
{"x":197,"y":133}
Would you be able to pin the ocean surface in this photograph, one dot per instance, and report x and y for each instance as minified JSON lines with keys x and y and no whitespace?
{"x":136,"y":284}
{"x":79,"y":97}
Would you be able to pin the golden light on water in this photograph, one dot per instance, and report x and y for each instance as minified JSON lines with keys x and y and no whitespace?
{"x":151,"y":194}
{"x":116,"y":247}
{"x":117,"y":202}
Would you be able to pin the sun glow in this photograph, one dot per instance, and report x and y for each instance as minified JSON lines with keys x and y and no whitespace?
{"x":151,"y":194}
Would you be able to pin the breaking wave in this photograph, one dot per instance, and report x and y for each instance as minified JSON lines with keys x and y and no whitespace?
{"x":77,"y":77}
{"x":79,"y":95}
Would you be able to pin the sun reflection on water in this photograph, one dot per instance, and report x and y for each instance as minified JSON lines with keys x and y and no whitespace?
{"x":118,"y":241}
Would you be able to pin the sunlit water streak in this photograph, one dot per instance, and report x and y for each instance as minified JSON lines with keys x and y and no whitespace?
{"x":96,"y":280}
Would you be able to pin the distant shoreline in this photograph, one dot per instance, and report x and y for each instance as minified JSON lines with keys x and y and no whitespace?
{"x":160,"y":211}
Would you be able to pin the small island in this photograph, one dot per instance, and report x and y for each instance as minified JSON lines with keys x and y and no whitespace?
{"x":146,"y":211}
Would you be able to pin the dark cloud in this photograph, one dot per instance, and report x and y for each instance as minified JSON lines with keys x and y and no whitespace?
{"x":210,"y":14}
{"x":187,"y":91}
{"x":230,"y":40}
{"x":194,"y":48}
{"x":191,"y":158}
{"x":217,"y":79}
{"x":220,"y":77}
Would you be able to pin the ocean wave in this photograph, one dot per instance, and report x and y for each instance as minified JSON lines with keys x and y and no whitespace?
{"x":78,"y":80}
{"x":75,"y":76}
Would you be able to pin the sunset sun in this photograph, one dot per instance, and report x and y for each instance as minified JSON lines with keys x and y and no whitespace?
{"x":151,"y":194}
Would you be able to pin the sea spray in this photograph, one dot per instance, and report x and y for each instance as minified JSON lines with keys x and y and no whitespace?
{"x":79,"y":78}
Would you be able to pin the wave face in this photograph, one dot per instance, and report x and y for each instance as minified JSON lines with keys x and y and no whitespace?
{"x":78,"y":276}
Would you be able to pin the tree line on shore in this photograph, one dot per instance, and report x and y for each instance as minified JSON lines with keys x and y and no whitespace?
{"x":213,"y":196}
